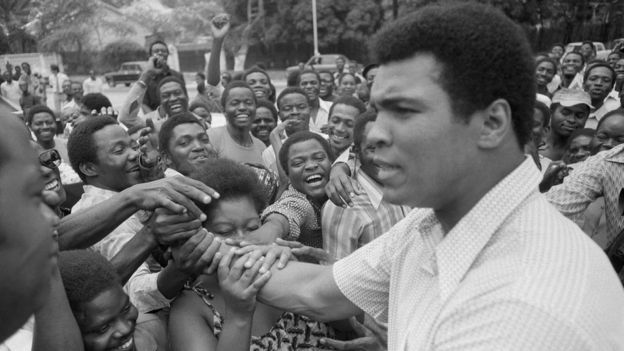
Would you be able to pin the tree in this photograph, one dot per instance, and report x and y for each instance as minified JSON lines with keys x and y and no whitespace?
{"x":14,"y":14}
{"x":247,"y":21}
{"x":120,"y":51}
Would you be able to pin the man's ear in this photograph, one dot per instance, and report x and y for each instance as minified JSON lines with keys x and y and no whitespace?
{"x":89,"y":169}
{"x":497,"y":124}
{"x":165,"y":157}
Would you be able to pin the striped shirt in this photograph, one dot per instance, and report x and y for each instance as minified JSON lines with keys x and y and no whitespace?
{"x":347,"y":229}
{"x":512,"y":274}
{"x":599,"y":175}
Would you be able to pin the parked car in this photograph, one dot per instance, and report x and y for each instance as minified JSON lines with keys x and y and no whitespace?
{"x":321,"y":63}
{"x":128,"y":73}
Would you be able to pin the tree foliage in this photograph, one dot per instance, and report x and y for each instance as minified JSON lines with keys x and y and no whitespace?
{"x":120,"y":51}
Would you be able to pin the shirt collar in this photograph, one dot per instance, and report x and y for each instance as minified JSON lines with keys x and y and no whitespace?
{"x":615,"y":155}
{"x":461,"y":246}
{"x":374,"y":192}
{"x":96,"y":192}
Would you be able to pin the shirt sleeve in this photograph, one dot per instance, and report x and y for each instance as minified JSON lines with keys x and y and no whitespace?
{"x":296,"y":209}
{"x":579,"y":189}
{"x":142,"y":288}
{"x":364,"y":276}
{"x":342,"y":229}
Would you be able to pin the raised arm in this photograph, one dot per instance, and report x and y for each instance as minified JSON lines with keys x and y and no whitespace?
{"x":129,"y":112}
{"x":220,"y":25}
{"x":312,"y":291}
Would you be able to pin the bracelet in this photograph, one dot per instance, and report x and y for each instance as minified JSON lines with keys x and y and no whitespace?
{"x":142,"y":84}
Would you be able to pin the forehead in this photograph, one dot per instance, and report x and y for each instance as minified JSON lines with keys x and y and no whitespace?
{"x":545,"y":64}
{"x":573,"y":56}
{"x":326,"y":75}
{"x":159,"y":46}
{"x":581,"y":140}
{"x":293,"y":98}
{"x":616,"y":120}
{"x":42,"y":116}
{"x":348,"y":78}
{"x":234,"y":210}
{"x":308,"y":76}
{"x":265,"y":112}
{"x":303,"y":148}
{"x":185,"y":129}
{"x":600,"y":71}
{"x":345,"y":111}
{"x":108,"y":135}
{"x":407,"y":79}
{"x":574,"y":108}
{"x":170,"y":86}
{"x":256,"y":76}
{"x":240,"y":93}
{"x":104,"y":306}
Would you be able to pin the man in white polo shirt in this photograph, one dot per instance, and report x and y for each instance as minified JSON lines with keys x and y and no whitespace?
{"x":485,"y":263}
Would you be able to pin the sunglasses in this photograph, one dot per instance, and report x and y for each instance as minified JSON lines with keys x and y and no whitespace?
{"x":50,"y":159}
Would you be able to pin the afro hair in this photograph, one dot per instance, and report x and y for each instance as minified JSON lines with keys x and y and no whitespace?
{"x":483,"y":56}
{"x":80,"y":145}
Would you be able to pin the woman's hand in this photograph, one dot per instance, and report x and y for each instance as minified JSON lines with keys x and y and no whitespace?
{"x":269,"y":253}
{"x":239,"y":285}
{"x":220,"y":25}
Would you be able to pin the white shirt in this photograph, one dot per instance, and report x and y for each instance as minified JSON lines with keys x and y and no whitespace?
{"x":92,"y":85}
{"x":11,"y":91}
{"x":322,"y":116}
{"x":610,"y":103}
{"x":142,"y":286}
{"x":513,"y":274}
{"x":56,"y":81}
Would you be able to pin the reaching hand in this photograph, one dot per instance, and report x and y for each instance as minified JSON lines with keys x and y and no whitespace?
{"x":148,"y":144}
{"x":370,"y":338}
{"x":174,"y":193}
{"x":220,"y":25}
{"x":298,"y":249}
{"x":341,"y":188}
{"x":195,"y":255}
{"x":239,"y":285}
{"x":171,"y":228}
{"x":554,"y":174}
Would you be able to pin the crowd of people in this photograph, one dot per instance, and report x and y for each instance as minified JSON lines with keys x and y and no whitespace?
{"x":397,"y":208}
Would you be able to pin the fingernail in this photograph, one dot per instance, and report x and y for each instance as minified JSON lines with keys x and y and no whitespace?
{"x":203,"y":217}
{"x":217,"y":255}
{"x":262,"y":270}
{"x":206,"y":199}
{"x":352,"y":194}
{"x":233,"y":250}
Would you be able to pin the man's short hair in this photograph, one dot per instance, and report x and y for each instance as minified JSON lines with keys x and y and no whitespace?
{"x":169,"y":79}
{"x":54,"y":68}
{"x":348,"y":100}
{"x":95,"y":101}
{"x":360,"y":126}
{"x":151,"y":47}
{"x":288,"y":91}
{"x":232,"y":85}
{"x":299,"y":137}
{"x":484,"y":56}
{"x":368,"y":68}
{"x":166,"y":130}
{"x":590,"y":43}
{"x":547,"y":59}
{"x":85,"y":274}
{"x":258,"y":69}
{"x":268,"y":105}
{"x":201,"y":75}
{"x":600,"y":64}
{"x":308,"y":71}
{"x":81,"y":147}
{"x":231,"y":180}
{"x":618,"y":111}
{"x":38,"y":109}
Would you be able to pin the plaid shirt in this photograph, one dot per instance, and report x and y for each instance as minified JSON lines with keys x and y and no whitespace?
{"x":599,"y":175}
{"x":512,"y":274}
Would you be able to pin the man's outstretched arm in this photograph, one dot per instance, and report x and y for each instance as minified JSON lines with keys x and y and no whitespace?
{"x":307,"y":289}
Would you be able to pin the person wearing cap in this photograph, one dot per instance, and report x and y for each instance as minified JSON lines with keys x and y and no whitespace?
{"x":598,"y":81}
{"x":569,"y":111}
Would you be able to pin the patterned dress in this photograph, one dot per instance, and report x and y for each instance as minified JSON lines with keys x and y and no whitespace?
{"x":290,"y":333}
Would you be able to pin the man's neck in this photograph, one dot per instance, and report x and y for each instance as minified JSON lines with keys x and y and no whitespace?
{"x":47,"y":144}
{"x":597,"y":103}
{"x":240,"y":135}
{"x":468,"y":191}
{"x":97,"y":184}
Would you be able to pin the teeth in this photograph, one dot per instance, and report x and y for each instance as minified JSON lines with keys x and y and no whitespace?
{"x":126,"y":345}
{"x":52,"y":185}
{"x":314,"y":178}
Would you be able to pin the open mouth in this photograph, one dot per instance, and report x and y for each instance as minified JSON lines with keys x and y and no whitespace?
{"x":53,"y":185}
{"x":127,"y":345}
{"x":259,"y":93}
{"x":175,"y":108}
{"x":242,"y":118}
{"x":314,"y":179}
{"x":133,"y":169}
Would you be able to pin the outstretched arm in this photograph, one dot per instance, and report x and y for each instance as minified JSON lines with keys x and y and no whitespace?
{"x":312,"y":291}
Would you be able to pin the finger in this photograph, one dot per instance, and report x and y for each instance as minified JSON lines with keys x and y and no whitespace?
{"x":334,"y":196}
{"x":214,"y":265}
{"x":253,"y":256}
{"x":208,"y":256}
{"x":233,"y":242}
{"x":269,"y":259}
{"x":249,"y":274}
{"x":194,"y":189}
{"x":224,"y":265}
{"x":246,"y":249}
{"x":336,"y":344}
{"x":284,"y":258}
{"x":236,"y":270}
{"x":346,"y":190}
{"x":288,"y":243}
{"x":195,"y":256}
{"x":260,"y":281}
{"x":185,"y":202}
